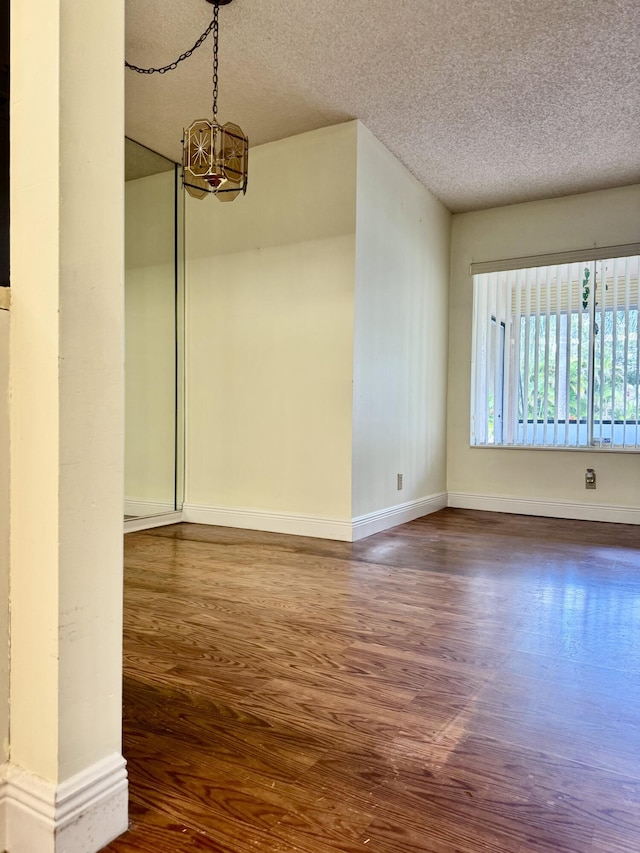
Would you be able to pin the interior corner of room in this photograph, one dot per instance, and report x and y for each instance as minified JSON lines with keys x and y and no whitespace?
{"x":290,"y":359}
{"x":313,"y":333}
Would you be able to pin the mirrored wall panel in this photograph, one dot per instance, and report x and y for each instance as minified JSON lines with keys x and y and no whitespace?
{"x":153,"y":337}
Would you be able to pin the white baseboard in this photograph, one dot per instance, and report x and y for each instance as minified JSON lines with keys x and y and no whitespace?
{"x":316,"y":526}
{"x":131,"y":525}
{"x":81,"y":815}
{"x":274,"y":522}
{"x":376,"y":522}
{"x":551,"y":509}
{"x":135,"y":506}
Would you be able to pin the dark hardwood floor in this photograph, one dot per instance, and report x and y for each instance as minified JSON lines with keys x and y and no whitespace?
{"x":467,"y":682}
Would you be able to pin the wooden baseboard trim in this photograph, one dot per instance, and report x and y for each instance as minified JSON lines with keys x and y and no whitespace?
{"x":273,"y":522}
{"x":81,"y":815}
{"x":132,"y":525}
{"x":306,"y":525}
{"x":376,"y":522}
{"x":138,"y":507}
{"x":551,"y":509}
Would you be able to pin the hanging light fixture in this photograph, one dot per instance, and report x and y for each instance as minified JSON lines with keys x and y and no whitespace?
{"x":215,"y":156}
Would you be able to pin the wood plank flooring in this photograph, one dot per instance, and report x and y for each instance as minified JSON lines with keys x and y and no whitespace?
{"x":466,"y":683}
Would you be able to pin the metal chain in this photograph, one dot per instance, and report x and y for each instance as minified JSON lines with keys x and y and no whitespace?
{"x":216,"y":9}
{"x":212,"y":26}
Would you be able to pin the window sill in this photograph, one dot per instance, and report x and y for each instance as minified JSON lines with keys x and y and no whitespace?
{"x":555,"y":449}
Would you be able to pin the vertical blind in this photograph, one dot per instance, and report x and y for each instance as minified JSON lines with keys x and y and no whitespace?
{"x":556,"y":355}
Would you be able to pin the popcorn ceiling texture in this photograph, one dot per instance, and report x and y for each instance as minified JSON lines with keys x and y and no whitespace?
{"x":487,"y":102}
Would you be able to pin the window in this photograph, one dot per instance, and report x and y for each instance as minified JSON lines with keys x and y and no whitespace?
{"x":556,"y":355}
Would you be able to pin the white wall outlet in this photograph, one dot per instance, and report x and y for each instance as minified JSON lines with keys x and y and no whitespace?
{"x":590,"y":479}
{"x":400,"y":482}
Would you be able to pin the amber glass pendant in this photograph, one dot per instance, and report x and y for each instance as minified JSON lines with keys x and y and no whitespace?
{"x":215,"y":156}
{"x":215,"y":160}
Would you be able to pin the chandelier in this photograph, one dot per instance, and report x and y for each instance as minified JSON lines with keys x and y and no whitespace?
{"x":215,"y":156}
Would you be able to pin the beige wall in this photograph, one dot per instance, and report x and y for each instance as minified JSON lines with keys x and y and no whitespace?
{"x":67,"y":202}
{"x":150,"y":344}
{"x":604,"y":218}
{"x":270,"y":280}
{"x":400,"y":347}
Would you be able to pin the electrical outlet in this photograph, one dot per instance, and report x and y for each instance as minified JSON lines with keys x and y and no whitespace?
{"x":399,"y":482}
{"x":590,"y":479}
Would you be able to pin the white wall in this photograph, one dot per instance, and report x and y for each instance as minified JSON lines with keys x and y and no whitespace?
{"x":66,"y":428}
{"x":555,"y":478}
{"x":317,"y":340}
{"x":400,"y":346}
{"x":270,"y":280}
{"x":150,"y":362}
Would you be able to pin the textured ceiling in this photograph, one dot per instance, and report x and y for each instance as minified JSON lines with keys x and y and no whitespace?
{"x":487,"y":102}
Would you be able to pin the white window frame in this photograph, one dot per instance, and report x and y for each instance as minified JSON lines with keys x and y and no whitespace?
{"x":495,"y":373}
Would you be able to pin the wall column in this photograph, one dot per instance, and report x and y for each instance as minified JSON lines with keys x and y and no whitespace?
{"x":66,"y":782}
